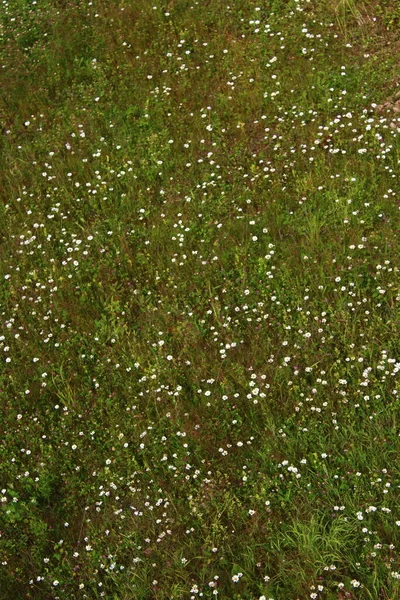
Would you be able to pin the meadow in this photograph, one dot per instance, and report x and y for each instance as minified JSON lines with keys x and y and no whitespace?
{"x":199,"y":299}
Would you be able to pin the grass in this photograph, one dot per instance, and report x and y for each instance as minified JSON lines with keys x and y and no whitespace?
{"x":199,"y":257}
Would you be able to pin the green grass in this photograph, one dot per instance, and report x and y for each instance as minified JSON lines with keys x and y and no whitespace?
{"x":199,"y":266}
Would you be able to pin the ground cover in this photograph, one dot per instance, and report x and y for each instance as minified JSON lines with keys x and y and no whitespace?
{"x":199,"y":266}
